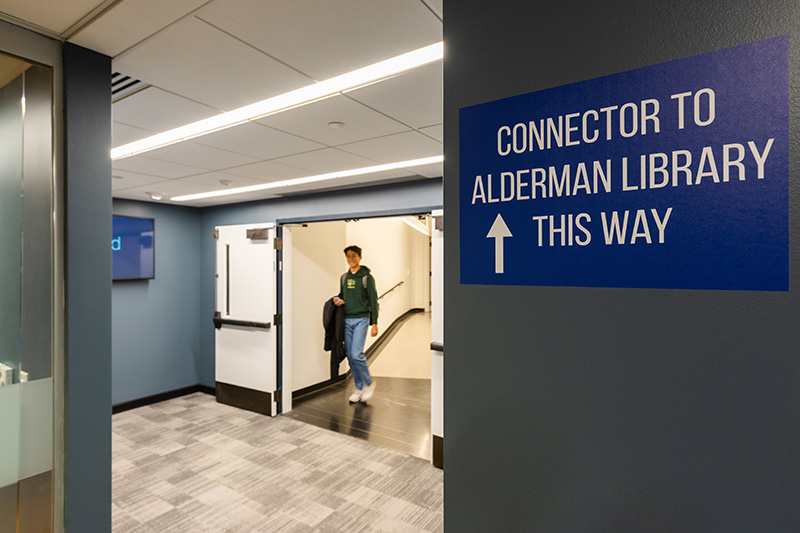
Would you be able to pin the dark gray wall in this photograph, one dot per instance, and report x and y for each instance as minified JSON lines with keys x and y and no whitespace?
{"x":87,"y":165}
{"x":156,"y":323}
{"x":572,"y":409}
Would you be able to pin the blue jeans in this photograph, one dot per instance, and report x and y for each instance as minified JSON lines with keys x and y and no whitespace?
{"x":355,"y":335}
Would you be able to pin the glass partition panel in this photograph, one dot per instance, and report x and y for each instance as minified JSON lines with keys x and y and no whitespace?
{"x":26,"y":281}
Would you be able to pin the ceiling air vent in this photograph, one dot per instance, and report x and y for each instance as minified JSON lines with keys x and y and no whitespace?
{"x":122,"y":86}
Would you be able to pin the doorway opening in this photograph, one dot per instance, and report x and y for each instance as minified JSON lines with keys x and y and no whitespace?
{"x":397,"y":249}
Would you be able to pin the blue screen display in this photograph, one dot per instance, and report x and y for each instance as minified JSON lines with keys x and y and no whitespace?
{"x":132,"y":248}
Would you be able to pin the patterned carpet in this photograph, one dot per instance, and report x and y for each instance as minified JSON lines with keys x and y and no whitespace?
{"x":194,"y":465}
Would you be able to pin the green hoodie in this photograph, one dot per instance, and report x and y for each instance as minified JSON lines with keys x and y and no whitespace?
{"x":358,"y":301}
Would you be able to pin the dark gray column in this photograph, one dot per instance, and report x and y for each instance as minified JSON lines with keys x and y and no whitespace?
{"x":87,"y":126}
{"x":585,"y":409}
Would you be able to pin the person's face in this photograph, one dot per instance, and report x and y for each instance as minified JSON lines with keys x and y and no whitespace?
{"x":353,"y":259}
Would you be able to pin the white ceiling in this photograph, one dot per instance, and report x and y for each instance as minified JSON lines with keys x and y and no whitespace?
{"x":198,"y":58}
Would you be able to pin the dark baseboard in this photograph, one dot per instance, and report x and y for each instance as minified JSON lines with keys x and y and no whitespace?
{"x":309,"y":391}
{"x":371,"y":353}
{"x":169,"y":395}
{"x":438,"y":452}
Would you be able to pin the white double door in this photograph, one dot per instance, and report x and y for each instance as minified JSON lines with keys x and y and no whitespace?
{"x":246,"y":339}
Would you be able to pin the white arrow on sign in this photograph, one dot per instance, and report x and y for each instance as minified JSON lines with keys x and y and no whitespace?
{"x":498,"y":232}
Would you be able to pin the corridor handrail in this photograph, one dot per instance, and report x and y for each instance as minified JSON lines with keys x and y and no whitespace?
{"x":390,"y":290}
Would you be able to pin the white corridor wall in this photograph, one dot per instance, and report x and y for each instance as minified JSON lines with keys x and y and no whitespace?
{"x":392,"y":250}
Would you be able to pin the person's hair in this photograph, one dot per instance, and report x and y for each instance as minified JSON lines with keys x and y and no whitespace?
{"x":353,"y":248}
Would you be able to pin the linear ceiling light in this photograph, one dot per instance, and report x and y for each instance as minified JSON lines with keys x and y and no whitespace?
{"x":310,"y":179}
{"x":283,"y":102}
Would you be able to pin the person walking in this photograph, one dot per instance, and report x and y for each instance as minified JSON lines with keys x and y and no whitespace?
{"x":360,"y":300}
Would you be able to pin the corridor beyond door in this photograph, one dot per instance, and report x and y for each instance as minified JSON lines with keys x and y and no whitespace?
{"x":399,"y":415}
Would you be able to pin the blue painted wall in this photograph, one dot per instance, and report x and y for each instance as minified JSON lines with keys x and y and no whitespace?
{"x":163,"y":336}
{"x":156,"y":323}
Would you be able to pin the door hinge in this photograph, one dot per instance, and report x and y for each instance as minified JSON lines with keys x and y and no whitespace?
{"x":277,"y":319}
{"x":216,"y":233}
{"x":278,"y":395}
{"x":278,"y":243}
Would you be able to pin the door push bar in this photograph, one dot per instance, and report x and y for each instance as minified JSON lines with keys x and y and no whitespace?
{"x":219,"y":321}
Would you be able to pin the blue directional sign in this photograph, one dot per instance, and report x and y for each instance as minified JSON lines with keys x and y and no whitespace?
{"x":669,"y":176}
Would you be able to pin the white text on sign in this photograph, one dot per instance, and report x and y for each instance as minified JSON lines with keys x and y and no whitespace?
{"x":626,"y":227}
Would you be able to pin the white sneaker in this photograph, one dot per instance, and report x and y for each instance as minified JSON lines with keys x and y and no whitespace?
{"x":368,"y":391}
{"x":356,"y":396}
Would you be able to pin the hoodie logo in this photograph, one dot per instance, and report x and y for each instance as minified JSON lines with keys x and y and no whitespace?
{"x":351,"y":283}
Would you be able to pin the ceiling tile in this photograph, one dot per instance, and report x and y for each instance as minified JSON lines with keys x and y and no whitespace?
{"x":322,"y":185}
{"x":141,"y":164}
{"x":136,"y":193}
{"x":196,"y":155}
{"x":123,"y":134}
{"x":413,"y":98}
{"x":435,"y":170}
{"x":311,"y":121}
{"x":233,"y":199}
{"x":122,"y":180}
{"x":390,"y":175}
{"x":130,"y":22}
{"x":189,"y":186}
{"x":327,"y":160}
{"x":259,"y":141}
{"x":157,"y":110}
{"x":57,"y":17}
{"x":200,"y":62}
{"x":267,"y":171}
{"x":214,"y":179}
{"x":437,"y":132}
{"x":168,"y":189}
{"x":435,"y":5}
{"x":398,"y":147}
{"x":336,"y":37}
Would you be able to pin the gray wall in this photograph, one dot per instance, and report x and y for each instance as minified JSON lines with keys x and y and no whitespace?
{"x":87,"y":416}
{"x":574,"y":409}
{"x":156,"y":323}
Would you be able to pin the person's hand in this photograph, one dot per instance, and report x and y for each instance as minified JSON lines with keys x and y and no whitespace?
{"x":374,"y":332}
{"x":338,"y":301}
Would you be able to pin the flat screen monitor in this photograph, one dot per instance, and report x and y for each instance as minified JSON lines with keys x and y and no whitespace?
{"x":133,"y":248}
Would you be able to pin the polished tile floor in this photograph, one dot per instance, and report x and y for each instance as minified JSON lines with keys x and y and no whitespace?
{"x":399,"y":415}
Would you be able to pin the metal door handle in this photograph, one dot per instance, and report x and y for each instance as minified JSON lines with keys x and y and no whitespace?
{"x":218,"y":322}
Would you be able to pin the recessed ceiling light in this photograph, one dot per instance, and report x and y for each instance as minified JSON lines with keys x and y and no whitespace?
{"x":156,"y":196}
{"x":336,"y":124}
{"x":283,"y":102}
{"x":311,"y":179}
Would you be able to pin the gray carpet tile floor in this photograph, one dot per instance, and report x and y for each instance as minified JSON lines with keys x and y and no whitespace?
{"x":192,"y":465}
